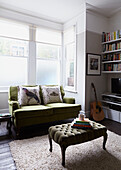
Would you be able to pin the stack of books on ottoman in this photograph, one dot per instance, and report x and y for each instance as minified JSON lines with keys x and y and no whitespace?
{"x":81,"y":124}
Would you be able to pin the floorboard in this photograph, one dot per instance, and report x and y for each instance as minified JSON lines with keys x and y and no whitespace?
{"x":6,"y":160}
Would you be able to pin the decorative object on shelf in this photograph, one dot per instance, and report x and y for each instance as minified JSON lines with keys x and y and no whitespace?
{"x":93,"y":64}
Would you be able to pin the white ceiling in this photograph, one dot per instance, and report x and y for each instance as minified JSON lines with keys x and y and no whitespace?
{"x":60,"y":10}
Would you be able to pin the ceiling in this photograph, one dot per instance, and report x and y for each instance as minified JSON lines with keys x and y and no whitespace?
{"x":60,"y":10}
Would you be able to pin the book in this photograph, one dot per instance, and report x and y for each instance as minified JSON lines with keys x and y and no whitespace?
{"x":114,"y":35}
{"x":85,"y":128}
{"x":75,"y":124}
{"x":81,"y":124}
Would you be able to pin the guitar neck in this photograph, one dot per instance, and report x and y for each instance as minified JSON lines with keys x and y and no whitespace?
{"x":94,"y":92}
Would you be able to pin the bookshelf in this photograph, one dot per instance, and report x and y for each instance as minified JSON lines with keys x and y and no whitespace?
{"x":111,"y":65}
{"x":111,"y":52}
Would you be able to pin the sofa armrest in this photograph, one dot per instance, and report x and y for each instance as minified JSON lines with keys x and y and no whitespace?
{"x":69,"y":100}
{"x":13,"y":105}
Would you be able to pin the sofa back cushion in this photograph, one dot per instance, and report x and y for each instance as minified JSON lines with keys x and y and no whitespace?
{"x":13,"y":92}
{"x":51,"y":94}
{"x":29,"y":95}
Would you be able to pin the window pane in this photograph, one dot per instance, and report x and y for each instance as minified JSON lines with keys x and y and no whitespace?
{"x":48,"y":72}
{"x":13,"y":71}
{"x":48,"y":36}
{"x":13,"y":47}
{"x":47,"y":51}
{"x":13,"y":29}
{"x":70,"y":65}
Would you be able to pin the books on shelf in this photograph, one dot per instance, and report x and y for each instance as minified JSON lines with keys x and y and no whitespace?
{"x":112,"y":67}
{"x":111,"y":36}
{"x":111,"y":47}
{"x":112,"y":57}
{"x":81,"y":124}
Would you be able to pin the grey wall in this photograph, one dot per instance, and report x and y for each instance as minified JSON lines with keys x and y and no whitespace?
{"x":93,"y":45}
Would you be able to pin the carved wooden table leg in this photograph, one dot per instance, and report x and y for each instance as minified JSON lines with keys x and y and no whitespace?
{"x":104,"y":141}
{"x":50,"y":141}
{"x":63,"y":149}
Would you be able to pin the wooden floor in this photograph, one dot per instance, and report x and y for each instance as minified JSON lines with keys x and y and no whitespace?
{"x":6,"y":160}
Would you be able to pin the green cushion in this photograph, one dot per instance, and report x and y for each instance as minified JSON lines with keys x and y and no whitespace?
{"x":65,"y":136}
{"x":64,"y":107}
{"x":32,"y":111}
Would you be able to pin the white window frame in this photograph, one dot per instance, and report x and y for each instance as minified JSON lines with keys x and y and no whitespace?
{"x":66,"y":87}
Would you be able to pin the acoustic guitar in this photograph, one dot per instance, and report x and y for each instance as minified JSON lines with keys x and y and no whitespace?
{"x":96,"y":108}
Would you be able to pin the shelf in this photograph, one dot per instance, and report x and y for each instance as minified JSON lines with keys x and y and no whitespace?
{"x":111,"y":95}
{"x":111,"y":71}
{"x":109,"y":102}
{"x":114,"y":61}
{"x":113,"y":51}
{"x":112,"y":41}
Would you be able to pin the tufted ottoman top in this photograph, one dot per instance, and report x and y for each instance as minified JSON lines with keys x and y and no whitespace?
{"x":64,"y":135}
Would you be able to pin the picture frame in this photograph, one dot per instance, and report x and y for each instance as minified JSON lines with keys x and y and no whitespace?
{"x":93,"y":64}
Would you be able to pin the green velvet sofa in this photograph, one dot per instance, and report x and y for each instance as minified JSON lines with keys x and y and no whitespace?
{"x":36,"y":114}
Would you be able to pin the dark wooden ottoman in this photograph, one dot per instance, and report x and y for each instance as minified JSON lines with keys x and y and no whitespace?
{"x":65,"y":136}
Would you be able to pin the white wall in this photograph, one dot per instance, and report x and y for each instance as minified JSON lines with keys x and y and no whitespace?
{"x":115,"y":22}
{"x":28,"y":19}
{"x":96,"y":23}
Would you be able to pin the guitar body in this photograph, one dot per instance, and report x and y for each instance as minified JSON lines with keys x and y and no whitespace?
{"x":96,"y":111}
{"x":96,"y":108}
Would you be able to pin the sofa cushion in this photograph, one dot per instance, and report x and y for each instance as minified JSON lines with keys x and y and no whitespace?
{"x":28,"y":95}
{"x":64,"y":108}
{"x":32,"y":111}
{"x":51,"y":94}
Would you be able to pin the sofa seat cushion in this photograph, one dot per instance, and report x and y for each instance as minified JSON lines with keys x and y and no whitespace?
{"x":64,"y":107}
{"x":32,"y":111}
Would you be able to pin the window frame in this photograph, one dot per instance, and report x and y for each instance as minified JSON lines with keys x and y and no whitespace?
{"x":66,"y":87}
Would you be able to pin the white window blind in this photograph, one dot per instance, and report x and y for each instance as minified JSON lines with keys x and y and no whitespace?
{"x":13,"y":30}
{"x":14,"y":51}
{"x":48,"y":56}
{"x":48,"y":36}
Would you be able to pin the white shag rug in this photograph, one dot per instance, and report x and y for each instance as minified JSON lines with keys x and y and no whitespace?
{"x":34,"y":154}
